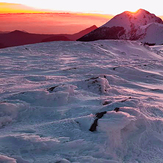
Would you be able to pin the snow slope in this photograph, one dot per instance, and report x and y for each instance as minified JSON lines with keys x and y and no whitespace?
{"x":153,"y":33}
{"x":50,"y":93}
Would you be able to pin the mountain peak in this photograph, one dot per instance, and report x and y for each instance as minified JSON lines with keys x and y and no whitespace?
{"x":137,"y":19}
{"x":138,"y":12}
{"x":18,"y":32}
{"x":143,"y":14}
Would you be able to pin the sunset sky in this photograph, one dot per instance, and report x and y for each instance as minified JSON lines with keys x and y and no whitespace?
{"x":94,"y":6}
{"x":66,"y":16}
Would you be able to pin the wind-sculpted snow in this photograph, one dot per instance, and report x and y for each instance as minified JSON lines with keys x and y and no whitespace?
{"x":51,"y":94}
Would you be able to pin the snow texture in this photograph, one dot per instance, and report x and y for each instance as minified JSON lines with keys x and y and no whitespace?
{"x":50,"y":94}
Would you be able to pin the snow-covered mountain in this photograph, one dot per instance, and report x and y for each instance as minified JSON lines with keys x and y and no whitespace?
{"x":140,"y":25}
{"x":52,"y":93}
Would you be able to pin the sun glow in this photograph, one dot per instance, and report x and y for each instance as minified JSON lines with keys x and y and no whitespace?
{"x":16,"y":8}
{"x":134,"y":12}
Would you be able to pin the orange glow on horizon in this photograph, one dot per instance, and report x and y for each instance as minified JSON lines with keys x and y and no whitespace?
{"x":107,"y":16}
{"x":17,"y":8}
{"x":23,"y":18}
{"x":50,"y":23}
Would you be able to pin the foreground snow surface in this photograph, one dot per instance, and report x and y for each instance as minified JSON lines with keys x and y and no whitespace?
{"x":50,"y":93}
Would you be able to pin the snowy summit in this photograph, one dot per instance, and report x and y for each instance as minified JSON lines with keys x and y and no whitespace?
{"x":140,"y":25}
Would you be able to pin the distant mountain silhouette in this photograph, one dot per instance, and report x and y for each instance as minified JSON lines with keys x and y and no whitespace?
{"x":70,"y":37}
{"x":141,"y":25}
{"x":16,"y":38}
{"x":56,"y":38}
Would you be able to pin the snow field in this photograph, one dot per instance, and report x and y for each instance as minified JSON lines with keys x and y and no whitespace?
{"x":51,"y":92}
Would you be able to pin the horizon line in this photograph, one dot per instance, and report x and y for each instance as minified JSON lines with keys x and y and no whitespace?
{"x":33,"y":10}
